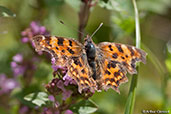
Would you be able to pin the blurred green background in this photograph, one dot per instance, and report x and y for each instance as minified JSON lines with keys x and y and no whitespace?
{"x":154,"y":82}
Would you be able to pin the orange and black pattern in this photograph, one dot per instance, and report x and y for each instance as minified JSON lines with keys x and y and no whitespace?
{"x":111,"y":62}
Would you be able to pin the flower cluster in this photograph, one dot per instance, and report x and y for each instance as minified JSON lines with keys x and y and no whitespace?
{"x":34,"y":29}
{"x":7,"y":84}
{"x":20,"y":66}
{"x":16,"y":65}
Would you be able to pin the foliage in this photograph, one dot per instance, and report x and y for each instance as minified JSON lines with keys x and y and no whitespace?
{"x":26,"y":78}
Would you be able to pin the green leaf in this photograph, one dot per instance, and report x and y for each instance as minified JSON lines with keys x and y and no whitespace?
{"x":124,"y":7}
{"x":5,"y":12}
{"x":84,"y":107}
{"x":110,"y":5}
{"x":38,"y":99}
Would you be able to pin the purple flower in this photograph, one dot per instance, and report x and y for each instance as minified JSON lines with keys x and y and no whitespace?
{"x":51,"y":98}
{"x":13,"y":64}
{"x":60,"y":85}
{"x":68,"y":80}
{"x":18,"y":58}
{"x":58,"y":67}
{"x":16,"y":65}
{"x":23,"y":109}
{"x":66,"y":94}
{"x":34,"y":29}
{"x":68,"y":112}
{"x":25,"y":39}
{"x":7,"y":84}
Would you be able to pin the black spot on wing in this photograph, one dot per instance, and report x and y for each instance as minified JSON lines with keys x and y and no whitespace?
{"x":113,"y":64}
{"x":110,"y":47}
{"x":84,"y":79}
{"x":70,"y":43}
{"x":117,"y":82}
{"x":70,"y":50}
{"x":109,"y":65}
{"x":47,"y":40}
{"x":107,"y":79}
{"x":117,"y":73}
{"x":131,"y":50}
{"x":112,"y":80}
{"x":60,"y":41}
{"x":63,"y":51}
{"x":124,"y":63}
{"x":122,"y":57}
{"x":83,"y":71}
{"x":115,"y":55}
{"x":133,"y":63}
{"x":109,"y":84}
{"x":107,"y":72}
{"x":119,"y":48}
{"x":77,"y":61}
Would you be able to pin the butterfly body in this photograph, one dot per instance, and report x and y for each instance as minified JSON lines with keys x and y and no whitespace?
{"x":92,"y":66}
{"x":91,"y":55}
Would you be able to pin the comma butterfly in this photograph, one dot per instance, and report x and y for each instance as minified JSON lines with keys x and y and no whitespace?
{"x":92,"y":66}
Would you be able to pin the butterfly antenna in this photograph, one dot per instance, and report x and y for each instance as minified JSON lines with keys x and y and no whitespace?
{"x":96,"y":30}
{"x":71,"y":27}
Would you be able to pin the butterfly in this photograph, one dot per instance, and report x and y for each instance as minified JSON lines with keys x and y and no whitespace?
{"x":95,"y":67}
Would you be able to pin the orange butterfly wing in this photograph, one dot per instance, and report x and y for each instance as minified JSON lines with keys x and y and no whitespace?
{"x":117,"y":59}
{"x":69,"y":53}
{"x":59,"y":47}
{"x":125,"y":54}
{"x":81,"y":72}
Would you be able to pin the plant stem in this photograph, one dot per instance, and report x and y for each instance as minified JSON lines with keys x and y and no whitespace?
{"x":132,"y":92}
{"x":83,"y":17}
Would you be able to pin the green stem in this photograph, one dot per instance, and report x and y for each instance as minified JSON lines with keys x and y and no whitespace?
{"x":132,"y":92}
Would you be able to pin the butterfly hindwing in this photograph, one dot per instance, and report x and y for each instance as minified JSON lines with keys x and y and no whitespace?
{"x":125,"y":54}
{"x":81,"y":72}
{"x":113,"y":73}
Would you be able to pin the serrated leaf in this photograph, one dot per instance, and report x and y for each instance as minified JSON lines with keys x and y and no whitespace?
{"x":5,"y":12}
{"x":38,"y":99}
{"x":84,"y":107}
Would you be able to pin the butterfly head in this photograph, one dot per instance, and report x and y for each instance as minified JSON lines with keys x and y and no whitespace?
{"x":89,"y":47}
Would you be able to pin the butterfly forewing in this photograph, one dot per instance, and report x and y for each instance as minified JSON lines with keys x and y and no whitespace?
{"x":124,"y":54}
{"x":62,"y":49}
{"x":69,"y":53}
